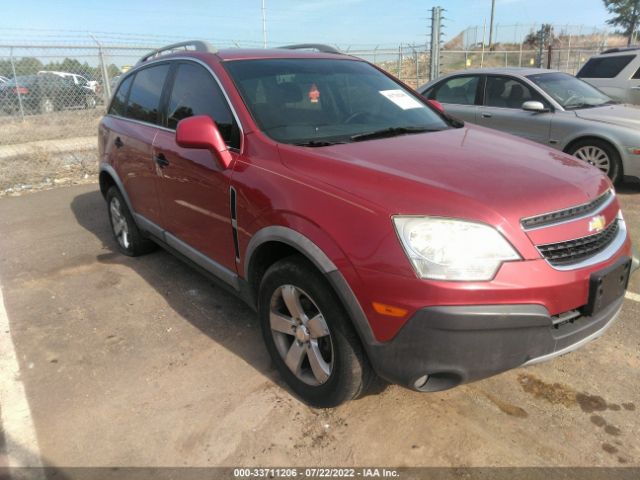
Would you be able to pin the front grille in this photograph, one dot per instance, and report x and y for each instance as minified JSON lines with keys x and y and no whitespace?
{"x":574,"y":251}
{"x":566,"y":214}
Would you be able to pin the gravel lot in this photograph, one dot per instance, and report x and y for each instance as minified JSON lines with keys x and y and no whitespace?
{"x":142,"y":362}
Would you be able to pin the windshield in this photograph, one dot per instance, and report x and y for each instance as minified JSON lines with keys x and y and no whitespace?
{"x":568,"y":91}
{"x":317,"y":102}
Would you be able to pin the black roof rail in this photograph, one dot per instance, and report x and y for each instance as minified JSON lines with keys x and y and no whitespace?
{"x":619,"y":49}
{"x":313,"y":46}
{"x":198,"y":46}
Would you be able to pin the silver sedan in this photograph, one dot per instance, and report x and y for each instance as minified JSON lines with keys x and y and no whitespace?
{"x":548,"y":107}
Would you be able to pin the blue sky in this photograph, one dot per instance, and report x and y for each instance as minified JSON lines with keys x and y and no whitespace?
{"x":343,"y":22}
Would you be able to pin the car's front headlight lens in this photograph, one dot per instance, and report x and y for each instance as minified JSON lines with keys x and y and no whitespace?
{"x":449,"y":249}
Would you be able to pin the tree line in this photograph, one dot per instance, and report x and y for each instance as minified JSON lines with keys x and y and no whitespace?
{"x":32,"y":65}
{"x":626,"y":15}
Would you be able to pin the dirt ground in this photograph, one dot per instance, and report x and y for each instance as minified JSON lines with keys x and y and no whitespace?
{"x":57,"y":125}
{"x":143,"y":362}
{"x":43,"y":151}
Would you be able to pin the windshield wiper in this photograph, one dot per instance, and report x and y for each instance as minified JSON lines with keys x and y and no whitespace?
{"x":578,"y":106}
{"x":317,"y":143}
{"x":390,"y":132}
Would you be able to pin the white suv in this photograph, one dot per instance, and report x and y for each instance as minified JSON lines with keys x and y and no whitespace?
{"x":616,"y":72}
{"x":77,"y":79}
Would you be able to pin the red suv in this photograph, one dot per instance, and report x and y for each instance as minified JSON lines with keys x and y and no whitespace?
{"x":372,"y":233}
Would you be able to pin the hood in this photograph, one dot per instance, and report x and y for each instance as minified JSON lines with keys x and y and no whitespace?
{"x":622,"y":115}
{"x":470,"y":172}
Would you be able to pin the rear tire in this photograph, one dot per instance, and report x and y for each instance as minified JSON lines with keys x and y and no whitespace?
{"x":126,"y":233}
{"x":46,"y":106}
{"x":600,"y":154}
{"x":309,"y":335}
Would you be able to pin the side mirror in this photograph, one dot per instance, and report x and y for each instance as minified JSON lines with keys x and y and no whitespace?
{"x":534,"y":106}
{"x":202,"y":133}
{"x":436,"y":104}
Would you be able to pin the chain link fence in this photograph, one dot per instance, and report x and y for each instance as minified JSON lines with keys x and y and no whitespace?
{"x":51,"y":101}
{"x":53,"y":96}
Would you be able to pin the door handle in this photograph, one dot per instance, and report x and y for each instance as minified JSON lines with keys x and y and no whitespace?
{"x":486,"y":115}
{"x":161,"y":160}
{"x":118,"y":142}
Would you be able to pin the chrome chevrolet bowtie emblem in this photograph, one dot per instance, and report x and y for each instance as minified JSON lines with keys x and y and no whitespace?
{"x":597,"y":223}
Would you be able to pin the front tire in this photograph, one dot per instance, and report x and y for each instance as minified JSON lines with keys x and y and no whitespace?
{"x":599,"y":154}
{"x":128,"y":237}
{"x":309,"y":335}
{"x":90,"y":102}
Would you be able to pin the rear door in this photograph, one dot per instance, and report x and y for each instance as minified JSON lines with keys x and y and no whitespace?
{"x":194,"y":187}
{"x":132,"y":139}
{"x":502,"y":109}
{"x":458,"y":95}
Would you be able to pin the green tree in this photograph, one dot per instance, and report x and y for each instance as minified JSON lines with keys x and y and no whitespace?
{"x":626,"y":15}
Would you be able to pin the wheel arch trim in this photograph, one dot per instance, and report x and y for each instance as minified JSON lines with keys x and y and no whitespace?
{"x":293,"y":239}
{"x":315,"y":254}
{"x":109,"y":170}
{"x":597,"y":136}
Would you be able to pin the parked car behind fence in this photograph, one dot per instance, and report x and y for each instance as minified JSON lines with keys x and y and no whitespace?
{"x":44,"y":93}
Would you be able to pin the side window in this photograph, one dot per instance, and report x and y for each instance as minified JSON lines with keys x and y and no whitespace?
{"x":636,"y":75}
{"x":144,"y":99}
{"x":118,"y":105}
{"x":604,"y":67}
{"x":195,"y":92}
{"x":459,"y":90}
{"x":508,"y":92}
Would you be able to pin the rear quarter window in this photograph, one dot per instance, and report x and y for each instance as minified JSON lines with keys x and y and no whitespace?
{"x":144,"y":98}
{"x":605,"y":67}
{"x":119,"y":103}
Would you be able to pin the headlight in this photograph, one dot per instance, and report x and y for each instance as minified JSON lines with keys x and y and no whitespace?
{"x":447,"y":249}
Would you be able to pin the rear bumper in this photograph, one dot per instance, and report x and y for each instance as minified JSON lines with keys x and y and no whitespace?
{"x":460,"y":344}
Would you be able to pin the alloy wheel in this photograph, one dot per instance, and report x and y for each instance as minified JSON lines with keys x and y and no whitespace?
{"x":119,"y":223}
{"x":595,"y":156}
{"x":301,"y":335}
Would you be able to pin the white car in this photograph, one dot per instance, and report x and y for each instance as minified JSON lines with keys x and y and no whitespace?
{"x":77,"y":79}
{"x":616,"y":72}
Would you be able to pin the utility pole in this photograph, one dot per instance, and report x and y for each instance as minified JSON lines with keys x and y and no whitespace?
{"x":264,"y":25}
{"x":493,"y":7}
{"x":106,"y":85}
{"x":436,"y":32}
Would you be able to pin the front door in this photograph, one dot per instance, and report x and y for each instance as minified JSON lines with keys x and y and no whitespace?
{"x":194,"y":187}
{"x":502,"y":109}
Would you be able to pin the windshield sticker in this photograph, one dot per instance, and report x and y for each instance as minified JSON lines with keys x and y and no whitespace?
{"x":314,"y":93}
{"x":402,"y":99}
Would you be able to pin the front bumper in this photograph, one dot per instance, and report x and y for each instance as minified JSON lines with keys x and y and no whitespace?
{"x":460,"y":344}
{"x":630,"y":163}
